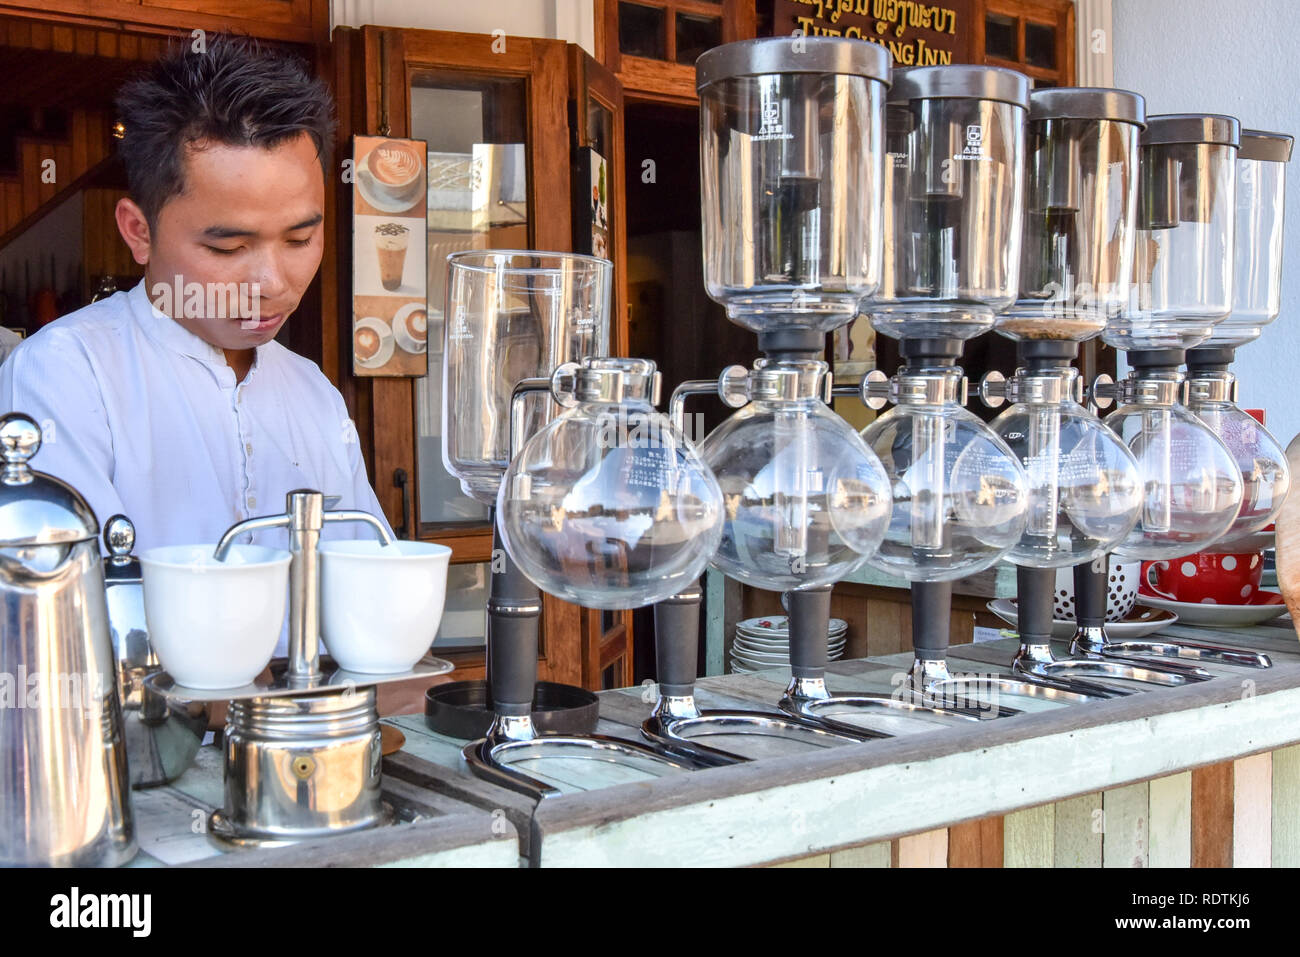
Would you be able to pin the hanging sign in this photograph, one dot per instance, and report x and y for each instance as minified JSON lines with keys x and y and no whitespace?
{"x":917,"y":34}
{"x":390,"y":318}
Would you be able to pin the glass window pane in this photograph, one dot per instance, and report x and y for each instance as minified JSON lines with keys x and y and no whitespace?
{"x":478,"y":199}
{"x":1040,"y":45}
{"x":695,"y":35}
{"x":1000,"y":36}
{"x":641,"y":31}
{"x":464,"y":618}
{"x":600,"y":128}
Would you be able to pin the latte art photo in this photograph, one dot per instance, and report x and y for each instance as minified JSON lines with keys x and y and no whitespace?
{"x":394,"y":165}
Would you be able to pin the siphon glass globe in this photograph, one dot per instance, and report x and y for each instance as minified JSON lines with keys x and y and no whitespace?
{"x":1085,"y":492}
{"x":959,"y":492}
{"x":1266,"y":477}
{"x":1191,"y":485}
{"x":805,"y":501}
{"x":609,"y":506}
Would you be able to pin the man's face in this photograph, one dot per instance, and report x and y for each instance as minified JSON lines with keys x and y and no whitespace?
{"x":247,"y":215}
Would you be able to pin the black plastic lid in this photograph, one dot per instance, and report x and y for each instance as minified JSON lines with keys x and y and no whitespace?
{"x":1263,"y":145}
{"x":793,"y":55}
{"x":961,"y":81}
{"x":1087,"y":103}
{"x":1169,"y":128}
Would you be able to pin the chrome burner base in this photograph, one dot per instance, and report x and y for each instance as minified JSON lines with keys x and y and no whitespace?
{"x":495,"y":757}
{"x":888,"y":708}
{"x":1176,"y":651}
{"x":1093,"y":642}
{"x":682,"y":734}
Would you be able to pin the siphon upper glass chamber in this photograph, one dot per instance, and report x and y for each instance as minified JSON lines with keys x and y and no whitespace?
{"x":511,"y":315}
{"x":791,"y":147}
{"x":953,"y":205}
{"x":1076,"y":259}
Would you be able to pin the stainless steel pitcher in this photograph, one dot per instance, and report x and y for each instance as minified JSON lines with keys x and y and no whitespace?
{"x":64,"y":792}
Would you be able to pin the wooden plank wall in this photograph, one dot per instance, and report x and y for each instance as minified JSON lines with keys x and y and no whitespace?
{"x":1242,"y":813}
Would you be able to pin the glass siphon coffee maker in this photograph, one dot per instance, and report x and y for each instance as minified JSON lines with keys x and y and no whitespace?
{"x":1182,"y":288}
{"x":1076,"y":265}
{"x":510,"y":316}
{"x":954,"y":211}
{"x":791,"y":151}
{"x":1256,"y":302}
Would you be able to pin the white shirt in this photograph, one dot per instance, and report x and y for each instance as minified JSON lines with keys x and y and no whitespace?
{"x":144,"y":418}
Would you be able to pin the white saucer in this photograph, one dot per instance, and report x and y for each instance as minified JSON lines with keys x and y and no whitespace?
{"x":385,"y":342}
{"x":1223,"y":616}
{"x":403,"y":336}
{"x":381,"y":202}
{"x":1141,"y":621}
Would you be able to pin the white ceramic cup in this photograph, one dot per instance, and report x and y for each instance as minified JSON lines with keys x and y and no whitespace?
{"x":214,"y":624}
{"x":381,"y":604}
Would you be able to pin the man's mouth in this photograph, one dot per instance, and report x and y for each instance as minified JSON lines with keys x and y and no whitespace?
{"x":261,"y":321}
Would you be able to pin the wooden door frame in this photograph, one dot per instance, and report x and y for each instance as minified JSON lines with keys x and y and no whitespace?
{"x":589,"y":79}
{"x":385,"y":408}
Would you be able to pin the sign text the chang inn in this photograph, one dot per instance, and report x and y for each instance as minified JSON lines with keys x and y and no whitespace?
{"x":917,"y":34}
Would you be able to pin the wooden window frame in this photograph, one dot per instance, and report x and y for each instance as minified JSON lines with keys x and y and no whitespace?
{"x":666,"y":81}
{"x":1058,"y":14}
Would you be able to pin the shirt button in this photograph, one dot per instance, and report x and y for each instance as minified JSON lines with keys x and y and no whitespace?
{"x":252,"y":502}
{"x":248,"y":447}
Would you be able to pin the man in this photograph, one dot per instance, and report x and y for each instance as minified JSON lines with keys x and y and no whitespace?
{"x":171,"y":402}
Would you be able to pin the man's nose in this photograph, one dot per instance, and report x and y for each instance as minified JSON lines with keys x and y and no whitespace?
{"x":270,"y":275}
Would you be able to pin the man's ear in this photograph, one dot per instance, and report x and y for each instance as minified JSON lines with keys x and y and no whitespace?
{"x":134,"y":227}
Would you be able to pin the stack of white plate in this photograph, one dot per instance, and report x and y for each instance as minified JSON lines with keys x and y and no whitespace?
{"x":765,"y":643}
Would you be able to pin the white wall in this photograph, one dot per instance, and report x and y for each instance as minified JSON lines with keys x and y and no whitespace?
{"x":569,"y":20}
{"x":1239,"y":58}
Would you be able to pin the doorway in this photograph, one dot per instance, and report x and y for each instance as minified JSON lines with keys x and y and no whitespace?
{"x":670,"y":317}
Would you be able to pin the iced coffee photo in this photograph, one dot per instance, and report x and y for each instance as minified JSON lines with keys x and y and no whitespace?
{"x":391,"y":240}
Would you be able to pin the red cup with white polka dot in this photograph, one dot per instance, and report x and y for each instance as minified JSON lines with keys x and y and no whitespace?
{"x":1208,"y":578}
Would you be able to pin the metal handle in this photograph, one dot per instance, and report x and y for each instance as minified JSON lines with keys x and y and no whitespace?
{"x":304,"y":516}
{"x":1103,"y":391}
{"x":993,"y":389}
{"x":731,"y":387}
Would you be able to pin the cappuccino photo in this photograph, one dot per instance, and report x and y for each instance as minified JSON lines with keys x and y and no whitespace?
{"x":389,"y":247}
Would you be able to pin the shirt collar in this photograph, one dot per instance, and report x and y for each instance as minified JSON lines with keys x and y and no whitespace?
{"x":170,"y":333}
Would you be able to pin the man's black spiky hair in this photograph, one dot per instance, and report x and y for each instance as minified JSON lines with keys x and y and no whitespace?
{"x":234,"y":91}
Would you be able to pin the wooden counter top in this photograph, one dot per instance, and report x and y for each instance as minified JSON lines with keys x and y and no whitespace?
{"x":789,"y":806}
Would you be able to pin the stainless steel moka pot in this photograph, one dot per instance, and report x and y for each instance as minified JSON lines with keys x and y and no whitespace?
{"x":64,"y":785}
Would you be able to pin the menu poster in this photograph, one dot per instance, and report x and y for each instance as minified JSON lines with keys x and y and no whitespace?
{"x":390,"y":327}
{"x":599,"y":206}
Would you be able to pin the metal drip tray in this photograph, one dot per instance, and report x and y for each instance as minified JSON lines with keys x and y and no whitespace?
{"x":984,"y":693}
{"x":880,"y":715}
{"x":1117,"y":676}
{"x":553,"y":764}
{"x":1179,"y":651}
{"x":331,"y":678}
{"x":747,"y":735}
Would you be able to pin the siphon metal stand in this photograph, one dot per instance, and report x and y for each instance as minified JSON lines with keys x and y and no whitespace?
{"x":514,"y":753}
